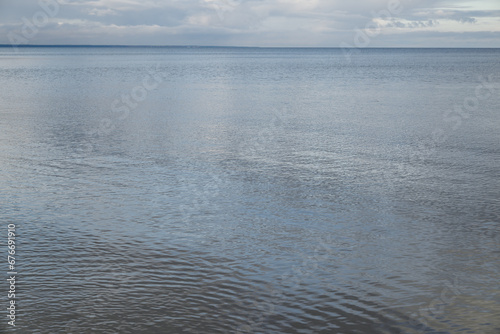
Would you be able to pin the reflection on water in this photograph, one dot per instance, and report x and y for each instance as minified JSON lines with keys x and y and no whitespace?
{"x":252,"y":191}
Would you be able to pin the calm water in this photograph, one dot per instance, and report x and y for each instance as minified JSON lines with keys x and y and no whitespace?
{"x":220,"y":190}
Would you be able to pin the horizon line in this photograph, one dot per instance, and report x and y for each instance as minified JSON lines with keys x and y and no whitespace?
{"x":236,"y":46}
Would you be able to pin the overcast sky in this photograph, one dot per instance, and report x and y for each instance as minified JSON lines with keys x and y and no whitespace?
{"x":328,"y":23}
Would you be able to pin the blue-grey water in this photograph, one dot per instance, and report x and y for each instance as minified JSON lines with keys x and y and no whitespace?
{"x":240,"y":190}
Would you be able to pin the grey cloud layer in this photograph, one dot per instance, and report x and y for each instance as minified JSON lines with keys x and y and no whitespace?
{"x":250,"y":22}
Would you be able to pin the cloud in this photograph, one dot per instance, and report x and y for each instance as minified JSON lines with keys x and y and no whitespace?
{"x":251,"y":22}
{"x":413,"y":24}
{"x":102,"y":11}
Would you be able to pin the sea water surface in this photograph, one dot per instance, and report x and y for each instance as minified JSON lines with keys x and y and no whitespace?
{"x":242,"y":190}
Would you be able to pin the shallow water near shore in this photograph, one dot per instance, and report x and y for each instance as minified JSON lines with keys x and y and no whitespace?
{"x":241,"y":190}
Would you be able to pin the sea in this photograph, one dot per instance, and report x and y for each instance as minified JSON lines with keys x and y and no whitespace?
{"x":249,"y":190}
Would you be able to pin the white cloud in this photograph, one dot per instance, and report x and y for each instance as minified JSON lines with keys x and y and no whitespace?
{"x":101,"y":11}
